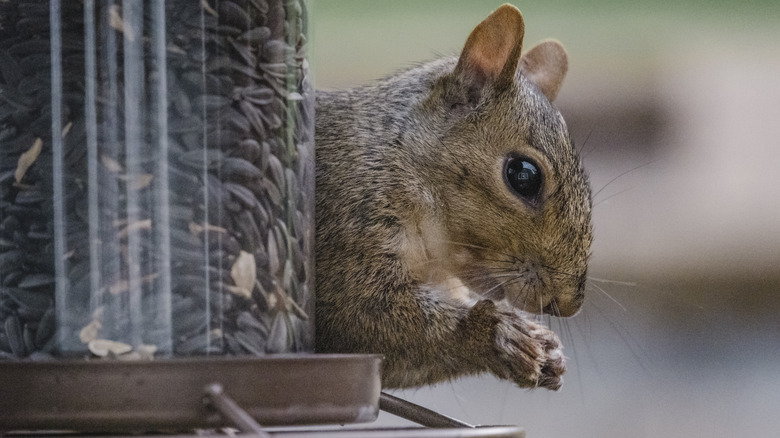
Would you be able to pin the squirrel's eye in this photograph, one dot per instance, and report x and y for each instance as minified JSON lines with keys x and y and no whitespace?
{"x":524,"y":177}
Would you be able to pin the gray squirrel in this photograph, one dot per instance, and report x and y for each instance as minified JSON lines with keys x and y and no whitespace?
{"x":450,"y":203}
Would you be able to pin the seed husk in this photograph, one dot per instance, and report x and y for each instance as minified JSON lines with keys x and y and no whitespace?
{"x":106,"y":347}
{"x":243,"y":274}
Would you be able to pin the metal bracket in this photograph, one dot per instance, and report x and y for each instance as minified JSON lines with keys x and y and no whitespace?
{"x":418,"y":414}
{"x":231,"y":411}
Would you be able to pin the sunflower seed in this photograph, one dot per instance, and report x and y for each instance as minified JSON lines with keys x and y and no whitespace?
{"x":273,"y":255}
{"x":10,"y":69}
{"x":238,"y":169}
{"x":275,"y":19}
{"x":273,"y":192}
{"x":253,"y":117}
{"x":11,"y":279}
{"x":257,"y":95}
{"x":282,"y":239}
{"x":31,"y":305}
{"x":247,"y":322}
{"x":223,"y":139}
{"x":29,"y":338}
{"x":249,"y":231}
{"x":234,"y":15}
{"x":253,"y":342}
{"x":277,"y":337}
{"x":13,"y":331}
{"x":200,"y":159}
{"x":10,"y":260}
{"x":260,"y":5}
{"x":255,"y":36}
{"x":211,"y":102}
{"x":35,"y":281}
{"x":232,"y":344}
{"x":46,"y":328}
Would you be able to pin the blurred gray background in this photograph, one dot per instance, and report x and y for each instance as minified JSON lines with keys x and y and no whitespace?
{"x":676,"y":107}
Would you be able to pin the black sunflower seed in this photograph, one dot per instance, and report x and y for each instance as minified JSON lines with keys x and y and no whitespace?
{"x":13,"y":332}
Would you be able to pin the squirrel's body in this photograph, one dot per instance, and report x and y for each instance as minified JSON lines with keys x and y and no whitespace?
{"x":424,"y":251}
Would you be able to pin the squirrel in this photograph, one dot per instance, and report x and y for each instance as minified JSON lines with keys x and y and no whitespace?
{"x":450,"y":204}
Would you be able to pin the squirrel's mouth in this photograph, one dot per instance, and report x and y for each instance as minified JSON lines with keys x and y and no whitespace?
{"x":564,"y":307}
{"x":526,"y":287}
{"x":533,"y":297}
{"x":550,"y":306}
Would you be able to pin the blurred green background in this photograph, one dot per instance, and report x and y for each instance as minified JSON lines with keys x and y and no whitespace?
{"x":676,"y":106}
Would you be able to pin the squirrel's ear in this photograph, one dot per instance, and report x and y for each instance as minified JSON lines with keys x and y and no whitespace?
{"x":545,"y":65}
{"x":492,"y":50}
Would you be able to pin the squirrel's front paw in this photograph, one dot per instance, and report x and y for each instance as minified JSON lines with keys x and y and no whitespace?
{"x":523,"y":351}
{"x":531,"y":354}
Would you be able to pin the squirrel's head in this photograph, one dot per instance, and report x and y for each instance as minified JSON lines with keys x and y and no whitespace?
{"x":512,"y":201}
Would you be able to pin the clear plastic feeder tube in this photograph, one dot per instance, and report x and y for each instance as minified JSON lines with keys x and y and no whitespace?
{"x":156,"y":177}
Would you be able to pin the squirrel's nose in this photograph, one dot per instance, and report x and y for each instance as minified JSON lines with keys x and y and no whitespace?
{"x":565,"y":306}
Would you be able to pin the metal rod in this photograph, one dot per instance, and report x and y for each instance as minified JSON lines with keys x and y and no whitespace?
{"x":230,"y":410}
{"x":416,"y":413}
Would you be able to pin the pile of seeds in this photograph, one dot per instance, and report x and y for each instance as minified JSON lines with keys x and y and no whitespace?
{"x":156,"y":197}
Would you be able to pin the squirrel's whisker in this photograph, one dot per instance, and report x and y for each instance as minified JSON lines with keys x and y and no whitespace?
{"x":620,"y":175}
{"x":604,"y":280}
{"x":601,"y":289}
{"x":498,"y":285}
{"x":601,"y":201}
{"x":522,"y":297}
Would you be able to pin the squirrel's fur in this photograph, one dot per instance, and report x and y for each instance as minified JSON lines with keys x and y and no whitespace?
{"x":423,"y":252}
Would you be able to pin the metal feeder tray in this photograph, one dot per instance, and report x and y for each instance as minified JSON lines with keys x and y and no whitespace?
{"x":156,"y":397}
